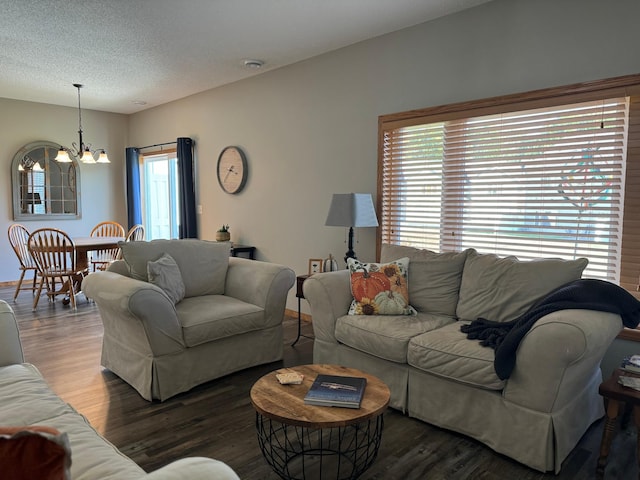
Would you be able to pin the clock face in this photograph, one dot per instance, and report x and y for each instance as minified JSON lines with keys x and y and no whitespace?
{"x":232,"y":169}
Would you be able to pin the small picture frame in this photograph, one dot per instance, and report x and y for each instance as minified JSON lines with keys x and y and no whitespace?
{"x":315,"y":265}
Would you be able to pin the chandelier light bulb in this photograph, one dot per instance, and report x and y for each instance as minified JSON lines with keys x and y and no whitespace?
{"x":63,"y":156}
{"x":103,"y":157}
{"x":87,"y":157}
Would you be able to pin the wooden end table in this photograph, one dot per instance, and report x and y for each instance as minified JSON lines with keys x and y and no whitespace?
{"x":300,"y":295}
{"x":305,"y":441}
{"x":617,"y":396}
{"x":250,"y":250}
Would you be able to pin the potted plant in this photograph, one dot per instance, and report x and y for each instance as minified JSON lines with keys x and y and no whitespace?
{"x":223,"y":235}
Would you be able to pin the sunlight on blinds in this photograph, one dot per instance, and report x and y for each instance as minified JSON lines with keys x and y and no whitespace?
{"x":539,"y":183}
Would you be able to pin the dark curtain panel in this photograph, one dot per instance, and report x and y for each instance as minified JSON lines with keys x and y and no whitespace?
{"x":188,"y":223}
{"x":134,"y":200}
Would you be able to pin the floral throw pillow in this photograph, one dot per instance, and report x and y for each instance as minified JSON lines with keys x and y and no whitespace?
{"x":380,"y":288}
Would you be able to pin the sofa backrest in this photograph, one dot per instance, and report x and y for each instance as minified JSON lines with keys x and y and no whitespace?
{"x":503,"y":288}
{"x":434,"y":278}
{"x":203,"y":264}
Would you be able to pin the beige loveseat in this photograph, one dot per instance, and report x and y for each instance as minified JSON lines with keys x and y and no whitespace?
{"x":26,"y":400}
{"x":229,"y":317}
{"x":436,"y":374}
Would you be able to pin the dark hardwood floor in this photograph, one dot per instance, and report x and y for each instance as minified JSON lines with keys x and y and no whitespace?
{"x":217,"y":419}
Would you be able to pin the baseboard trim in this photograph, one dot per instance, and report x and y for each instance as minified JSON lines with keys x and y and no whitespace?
{"x":294,"y":313}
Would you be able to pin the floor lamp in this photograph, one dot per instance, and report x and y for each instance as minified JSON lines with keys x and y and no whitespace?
{"x":351,"y":210}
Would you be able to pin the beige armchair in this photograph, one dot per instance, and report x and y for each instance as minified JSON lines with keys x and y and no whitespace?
{"x":229,"y":319}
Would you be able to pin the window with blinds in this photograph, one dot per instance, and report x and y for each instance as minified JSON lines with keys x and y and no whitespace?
{"x":541,"y":182}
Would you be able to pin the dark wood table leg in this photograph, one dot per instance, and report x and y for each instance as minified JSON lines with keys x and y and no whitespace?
{"x":613,"y":407}
{"x":299,"y":325}
{"x":636,"y":418}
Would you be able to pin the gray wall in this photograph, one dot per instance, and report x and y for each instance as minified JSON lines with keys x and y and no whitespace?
{"x":310,"y":129}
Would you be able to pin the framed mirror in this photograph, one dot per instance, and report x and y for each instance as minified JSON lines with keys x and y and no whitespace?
{"x":42,"y":187}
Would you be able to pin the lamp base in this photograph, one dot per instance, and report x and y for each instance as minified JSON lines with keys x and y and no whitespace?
{"x":350,"y":253}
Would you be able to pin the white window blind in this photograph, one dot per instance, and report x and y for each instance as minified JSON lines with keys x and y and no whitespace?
{"x":546,"y":182}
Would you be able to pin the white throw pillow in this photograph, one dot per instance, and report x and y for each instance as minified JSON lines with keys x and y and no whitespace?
{"x":165,"y":274}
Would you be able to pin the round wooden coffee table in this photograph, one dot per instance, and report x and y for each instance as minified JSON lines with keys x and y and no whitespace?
{"x":302,"y":441}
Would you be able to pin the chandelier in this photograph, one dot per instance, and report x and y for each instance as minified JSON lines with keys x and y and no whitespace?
{"x":81,"y":150}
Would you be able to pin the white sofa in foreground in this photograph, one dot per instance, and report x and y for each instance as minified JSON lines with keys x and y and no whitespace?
{"x":26,"y":400}
{"x":435,"y":373}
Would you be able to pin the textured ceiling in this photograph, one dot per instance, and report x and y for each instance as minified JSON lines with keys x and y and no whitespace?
{"x":156,"y":51}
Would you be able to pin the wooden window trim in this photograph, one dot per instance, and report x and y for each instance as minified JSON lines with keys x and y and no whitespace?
{"x":627,"y":85}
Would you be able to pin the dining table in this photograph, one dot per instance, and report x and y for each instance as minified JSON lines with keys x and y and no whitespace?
{"x":84,"y":245}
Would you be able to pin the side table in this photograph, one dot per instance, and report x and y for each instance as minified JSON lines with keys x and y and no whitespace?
{"x":617,"y":396}
{"x":300,"y":294}
{"x":249,"y":249}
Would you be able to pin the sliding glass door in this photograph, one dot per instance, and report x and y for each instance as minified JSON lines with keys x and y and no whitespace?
{"x":160,"y":195}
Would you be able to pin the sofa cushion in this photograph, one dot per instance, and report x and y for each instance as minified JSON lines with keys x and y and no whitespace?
{"x":165,"y":274}
{"x":92,"y":456}
{"x":203,"y":265}
{"x":26,"y":399}
{"x":502,"y":289}
{"x":211,"y":317}
{"x":385,"y":336}
{"x":434,"y":278}
{"x":448,"y":353}
{"x":380,"y":288}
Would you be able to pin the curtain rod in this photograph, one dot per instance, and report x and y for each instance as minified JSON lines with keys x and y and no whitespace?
{"x":157,"y":145}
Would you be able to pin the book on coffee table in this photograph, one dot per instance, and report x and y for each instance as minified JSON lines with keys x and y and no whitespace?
{"x":336,"y":391}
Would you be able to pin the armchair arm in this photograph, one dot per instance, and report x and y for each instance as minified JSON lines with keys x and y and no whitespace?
{"x":135,"y":311}
{"x":329,"y":296}
{"x":559,"y":356}
{"x":194,"y":468}
{"x":260,"y":283}
{"x":10,"y":346}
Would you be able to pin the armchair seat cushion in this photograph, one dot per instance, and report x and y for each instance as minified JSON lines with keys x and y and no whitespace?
{"x":386,"y":336}
{"x":446,"y":352}
{"x":212,"y":317}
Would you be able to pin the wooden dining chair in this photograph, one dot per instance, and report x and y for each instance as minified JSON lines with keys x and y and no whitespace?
{"x":101,"y":259}
{"x":55,"y":255}
{"x":18,"y":238}
{"x":136,"y":233}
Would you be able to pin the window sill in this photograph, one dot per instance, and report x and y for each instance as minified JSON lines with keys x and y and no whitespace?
{"x":631,"y":334}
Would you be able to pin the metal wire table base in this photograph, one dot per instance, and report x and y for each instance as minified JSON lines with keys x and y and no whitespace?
{"x":297,"y":453}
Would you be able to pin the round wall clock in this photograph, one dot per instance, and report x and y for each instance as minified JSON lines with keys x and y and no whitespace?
{"x":232,"y":169}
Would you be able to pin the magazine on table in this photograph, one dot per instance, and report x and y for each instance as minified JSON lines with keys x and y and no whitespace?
{"x":631,"y":363}
{"x":336,"y":391}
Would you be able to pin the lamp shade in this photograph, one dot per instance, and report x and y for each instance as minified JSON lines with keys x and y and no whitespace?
{"x":351,"y":210}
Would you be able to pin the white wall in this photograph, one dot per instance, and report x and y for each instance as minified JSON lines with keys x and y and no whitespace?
{"x":310,"y":129}
{"x":101,"y":186}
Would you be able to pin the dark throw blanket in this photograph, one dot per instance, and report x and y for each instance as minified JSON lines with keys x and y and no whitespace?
{"x":588,"y":294}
